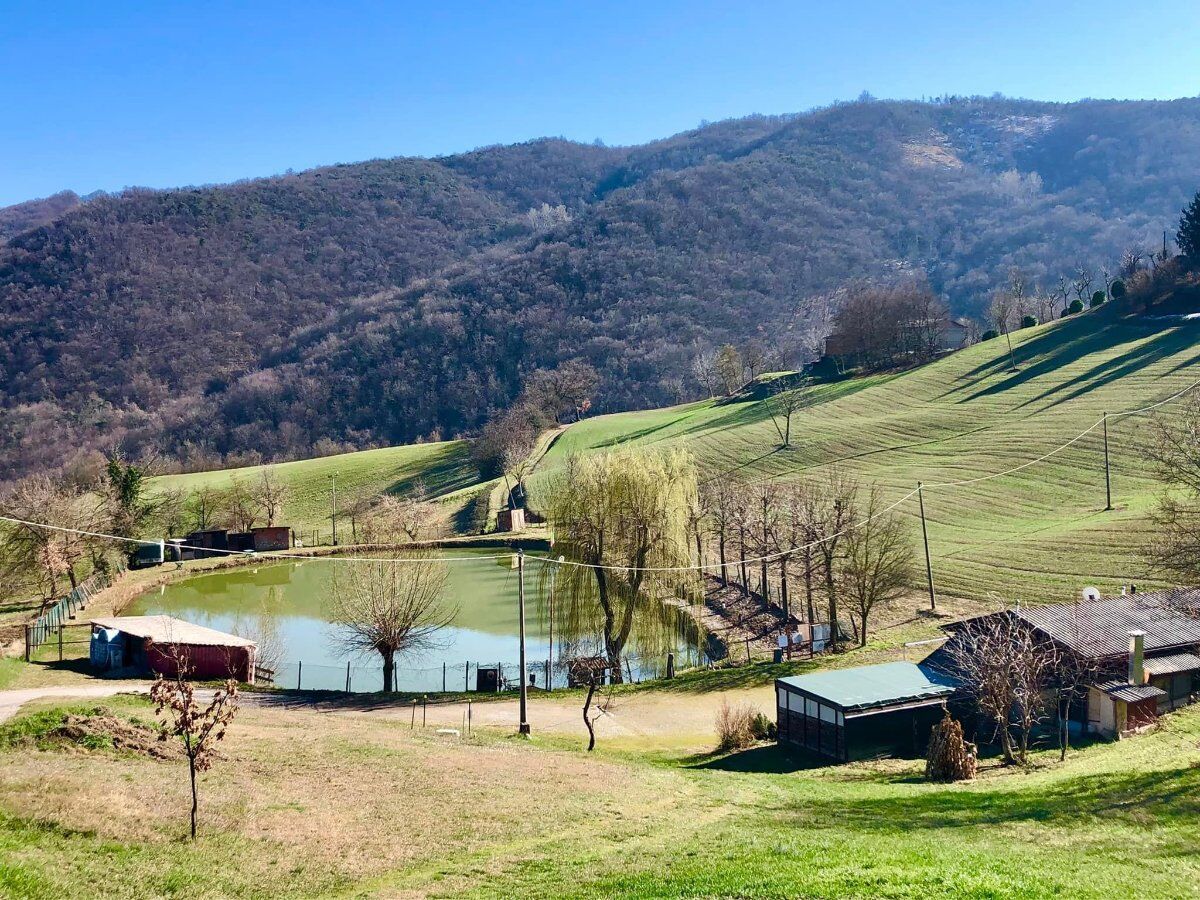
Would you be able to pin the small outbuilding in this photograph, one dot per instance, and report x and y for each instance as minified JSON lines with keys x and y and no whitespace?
{"x":865,"y":712}
{"x":165,"y":645}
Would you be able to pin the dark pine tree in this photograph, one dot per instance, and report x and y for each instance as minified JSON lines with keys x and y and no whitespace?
{"x":1188,"y":236}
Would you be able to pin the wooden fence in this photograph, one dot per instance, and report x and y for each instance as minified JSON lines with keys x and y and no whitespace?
{"x":51,"y":620}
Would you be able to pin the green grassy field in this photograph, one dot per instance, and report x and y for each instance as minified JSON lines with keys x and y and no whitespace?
{"x":1038,"y":534}
{"x":444,"y":469}
{"x":284,"y":814}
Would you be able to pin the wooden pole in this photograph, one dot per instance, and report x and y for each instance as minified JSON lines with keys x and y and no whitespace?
{"x":523,"y":727}
{"x":299,"y":672}
{"x":925,"y":537}
{"x":1107,"y":469}
{"x":443,"y":676}
{"x":347,"y":676}
{"x":60,"y":631}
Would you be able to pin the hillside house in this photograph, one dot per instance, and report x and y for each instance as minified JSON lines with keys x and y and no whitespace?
{"x":1142,"y":649}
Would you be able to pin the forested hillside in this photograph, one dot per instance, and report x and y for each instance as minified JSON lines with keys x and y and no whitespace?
{"x":395,"y":300}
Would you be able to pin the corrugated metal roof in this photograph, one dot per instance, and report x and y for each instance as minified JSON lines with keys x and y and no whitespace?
{"x":169,"y":630}
{"x":1100,"y":628}
{"x":1131,"y":693}
{"x":1169,"y":665}
{"x":864,"y":687}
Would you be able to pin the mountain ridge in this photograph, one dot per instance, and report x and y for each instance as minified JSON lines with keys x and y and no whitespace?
{"x":392,"y":300}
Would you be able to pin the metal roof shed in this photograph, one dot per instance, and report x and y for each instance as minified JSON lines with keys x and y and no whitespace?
{"x":163,"y":644}
{"x":863,"y":712}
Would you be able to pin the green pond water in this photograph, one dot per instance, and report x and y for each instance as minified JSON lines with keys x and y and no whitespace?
{"x":291,"y":600}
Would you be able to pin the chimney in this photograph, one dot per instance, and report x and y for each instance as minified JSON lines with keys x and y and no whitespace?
{"x":1137,"y":674}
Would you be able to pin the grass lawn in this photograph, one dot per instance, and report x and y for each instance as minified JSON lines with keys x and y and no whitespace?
{"x":443,"y":468}
{"x":1038,"y":534}
{"x":306,"y":803}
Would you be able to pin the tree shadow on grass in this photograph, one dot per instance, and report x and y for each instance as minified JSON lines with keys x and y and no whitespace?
{"x":773,"y":759}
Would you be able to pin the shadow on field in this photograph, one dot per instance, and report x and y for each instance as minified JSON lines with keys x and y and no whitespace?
{"x":452,"y":471}
{"x":1078,"y":339}
{"x":768,"y":760}
{"x":1136,"y":798}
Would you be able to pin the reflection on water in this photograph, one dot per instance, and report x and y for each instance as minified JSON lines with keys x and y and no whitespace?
{"x":286,"y":604}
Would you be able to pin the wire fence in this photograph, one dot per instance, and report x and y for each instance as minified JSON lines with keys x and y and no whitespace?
{"x":470,"y":676}
{"x":51,"y":620}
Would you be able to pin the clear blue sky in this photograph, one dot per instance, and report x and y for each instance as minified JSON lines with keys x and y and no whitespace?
{"x":106,"y":94}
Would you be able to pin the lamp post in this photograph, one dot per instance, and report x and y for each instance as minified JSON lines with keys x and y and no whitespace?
{"x":523,"y":728}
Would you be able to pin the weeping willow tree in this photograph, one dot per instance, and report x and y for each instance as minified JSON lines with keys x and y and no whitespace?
{"x":624,"y":513}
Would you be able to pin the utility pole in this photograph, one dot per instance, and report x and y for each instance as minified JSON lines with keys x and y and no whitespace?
{"x":334,"y":507}
{"x":925,"y":537}
{"x":524,"y":726}
{"x":1107,"y":470}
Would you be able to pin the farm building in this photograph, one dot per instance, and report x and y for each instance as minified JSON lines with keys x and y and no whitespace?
{"x":1140,"y":647}
{"x":162,"y":644}
{"x":862,"y":713}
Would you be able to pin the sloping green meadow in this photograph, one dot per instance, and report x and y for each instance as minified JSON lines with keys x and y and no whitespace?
{"x":1038,"y":534}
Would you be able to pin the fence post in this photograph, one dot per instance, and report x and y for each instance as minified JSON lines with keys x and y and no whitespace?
{"x":467,"y":675}
{"x":347,"y":676}
{"x":28,"y":640}
{"x":443,"y":676}
{"x":548,"y":684}
{"x":299,"y":672}
{"x":60,"y":631}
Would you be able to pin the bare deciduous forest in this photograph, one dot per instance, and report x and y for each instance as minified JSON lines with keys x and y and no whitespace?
{"x":397,"y":300}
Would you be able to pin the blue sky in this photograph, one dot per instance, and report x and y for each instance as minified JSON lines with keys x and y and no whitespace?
{"x":107,"y":95}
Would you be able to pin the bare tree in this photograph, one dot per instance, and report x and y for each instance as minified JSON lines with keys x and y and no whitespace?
{"x":270,"y":493}
{"x":1005,"y":669}
{"x":730,"y":368}
{"x":1173,"y":452}
{"x":30,"y":551}
{"x":389,"y":607}
{"x":1081,"y":283}
{"x":878,"y":562}
{"x":754,"y":360}
{"x":721,"y":506}
{"x":200,"y":728}
{"x":204,"y":506}
{"x":834,"y":513}
{"x":783,"y":403}
{"x":241,"y":506}
{"x":704,"y":370}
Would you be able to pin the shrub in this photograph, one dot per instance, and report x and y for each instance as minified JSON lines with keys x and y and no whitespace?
{"x":990,"y":335}
{"x":1028,"y":321}
{"x":1075,"y":307}
{"x":1098,"y":299}
{"x":1117,"y":289}
{"x":741,"y":726}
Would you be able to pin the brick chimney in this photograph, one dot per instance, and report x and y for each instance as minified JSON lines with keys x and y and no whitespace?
{"x":1137,"y":673}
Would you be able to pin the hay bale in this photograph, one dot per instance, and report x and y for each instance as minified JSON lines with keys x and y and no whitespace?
{"x":950,"y":757}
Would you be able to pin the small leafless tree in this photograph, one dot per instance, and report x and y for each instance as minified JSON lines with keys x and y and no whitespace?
{"x":199,"y":727}
{"x":270,"y":493}
{"x":704,"y":370}
{"x":754,"y":360}
{"x":783,"y":403}
{"x":389,"y":608}
{"x":834,"y":512}
{"x":878,"y":562}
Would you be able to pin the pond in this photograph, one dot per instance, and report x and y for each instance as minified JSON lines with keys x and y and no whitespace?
{"x":288,"y":602}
